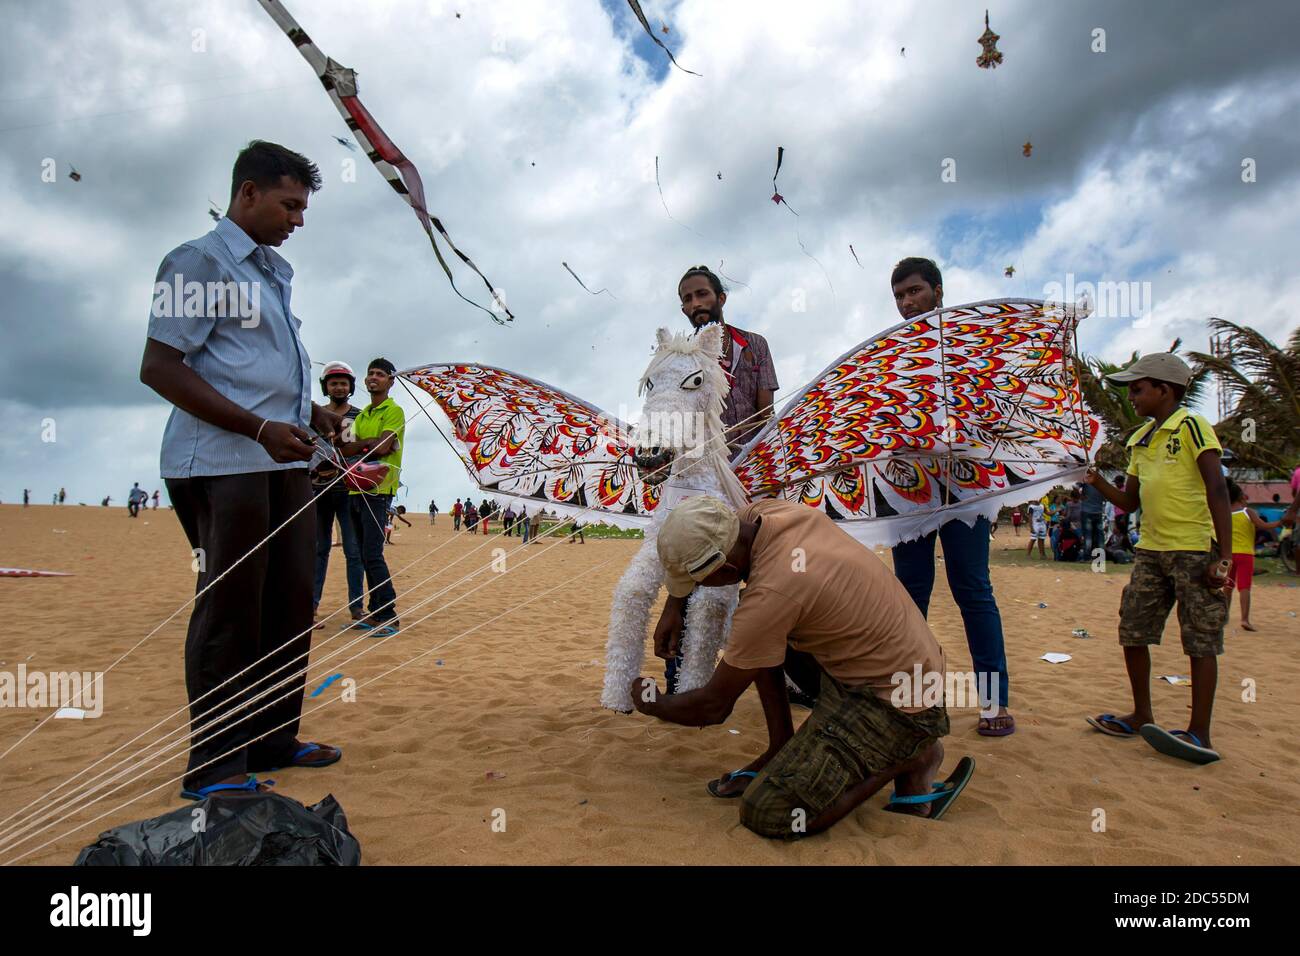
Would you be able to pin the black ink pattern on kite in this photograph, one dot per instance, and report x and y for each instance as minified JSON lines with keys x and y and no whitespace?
{"x":649,"y":31}
{"x":341,"y":85}
{"x":584,"y":285}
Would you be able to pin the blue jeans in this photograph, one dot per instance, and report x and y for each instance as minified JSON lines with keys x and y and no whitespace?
{"x":1092,"y":534}
{"x":966,"y":560}
{"x":369,"y":516}
{"x":332,"y":504}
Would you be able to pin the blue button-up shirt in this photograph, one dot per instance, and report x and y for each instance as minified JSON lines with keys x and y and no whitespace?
{"x":223,"y":300}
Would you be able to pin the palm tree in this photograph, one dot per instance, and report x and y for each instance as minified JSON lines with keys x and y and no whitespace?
{"x":1263,"y":430}
{"x":1110,"y":403}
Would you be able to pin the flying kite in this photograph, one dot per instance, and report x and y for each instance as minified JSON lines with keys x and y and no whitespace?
{"x":663,"y":27}
{"x":855,"y":256}
{"x":1009,"y":271}
{"x":776,"y":194}
{"x":949,"y":415}
{"x":991,"y":57}
{"x":344,"y":141}
{"x":341,"y":85}
{"x":1027,"y":148}
{"x":215,"y":213}
{"x":584,"y":285}
{"x":74,"y":175}
{"x":649,"y":31}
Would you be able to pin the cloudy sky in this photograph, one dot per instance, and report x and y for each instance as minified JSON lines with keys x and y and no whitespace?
{"x":536,"y":127}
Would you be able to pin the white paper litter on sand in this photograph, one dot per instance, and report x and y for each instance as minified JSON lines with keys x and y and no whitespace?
{"x":70,"y":713}
{"x":1054,"y":658}
{"x":1175,"y":678}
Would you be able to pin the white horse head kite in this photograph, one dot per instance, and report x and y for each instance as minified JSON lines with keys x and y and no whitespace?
{"x":680,"y":433}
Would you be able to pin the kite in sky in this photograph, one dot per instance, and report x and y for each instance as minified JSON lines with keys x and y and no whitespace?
{"x":1009,"y":271}
{"x":344,"y":141}
{"x":1027,"y":148}
{"x":341,"y":85}
{"x":74,"y":175}
{"x":855,"y":256}
{"x":776,"y":194}
{"x":991,"y":57}
{"x":649,"y":31}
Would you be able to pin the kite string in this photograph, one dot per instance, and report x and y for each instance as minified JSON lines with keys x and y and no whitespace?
{"x":324,"y":703}
{"x":310,"y":503}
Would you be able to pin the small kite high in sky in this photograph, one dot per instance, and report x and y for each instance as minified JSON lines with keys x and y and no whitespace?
{"x":344,"y":141}
{"x":776,"y":194}
{"x":992,"y":56}
{"x":855,"y":256}
{"x":1028,"y":148}
{"x":649,"y":31}
{"x":341,"y":85}
{"x":1009,"y":271}
{"x":74,"y":175}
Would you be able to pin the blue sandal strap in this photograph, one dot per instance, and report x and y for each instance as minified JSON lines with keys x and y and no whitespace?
{"x":940,"y":790}
{"x":1189,"y":735}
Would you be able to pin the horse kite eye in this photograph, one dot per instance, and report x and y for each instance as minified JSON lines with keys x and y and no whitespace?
{"x":649,"y":385}
{"x":692,"y":381}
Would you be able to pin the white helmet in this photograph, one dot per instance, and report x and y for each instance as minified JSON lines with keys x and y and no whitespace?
{"x":333,"y":369}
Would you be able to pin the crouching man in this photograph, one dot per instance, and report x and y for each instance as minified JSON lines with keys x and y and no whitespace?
{"x":808,"y":584}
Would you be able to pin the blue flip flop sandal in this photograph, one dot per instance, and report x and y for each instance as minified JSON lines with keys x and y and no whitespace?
{"x":1101,"y":720}
{"x":1171,"y":744}
{"x":306,"y":749}
{"x":943,"y":793}
{"x":715,"y":785}
{"x":250,"y":785}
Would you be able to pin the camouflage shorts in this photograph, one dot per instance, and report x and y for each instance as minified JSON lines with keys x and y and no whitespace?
{"x":850,"y":735}
{"x":1161,"y":578}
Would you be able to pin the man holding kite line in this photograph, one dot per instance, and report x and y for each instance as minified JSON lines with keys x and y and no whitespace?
{"x":223,"y":348}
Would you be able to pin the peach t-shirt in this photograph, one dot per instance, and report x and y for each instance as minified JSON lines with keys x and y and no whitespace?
{"x":813,"y":585}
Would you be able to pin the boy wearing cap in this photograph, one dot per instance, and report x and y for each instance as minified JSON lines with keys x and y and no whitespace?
{"x":809,"y":585}
{"x":337,"y":383}
{"x":1184,"y":554}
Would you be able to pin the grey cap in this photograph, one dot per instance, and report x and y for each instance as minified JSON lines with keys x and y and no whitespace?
{"x":1161,"y":366}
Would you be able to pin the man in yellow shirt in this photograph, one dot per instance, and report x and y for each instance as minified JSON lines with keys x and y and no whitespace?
{"x":377,"y":433}
{"x":1184,"y":553}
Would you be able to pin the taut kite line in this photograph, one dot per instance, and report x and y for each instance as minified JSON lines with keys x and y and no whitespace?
{"x":341,"y":85}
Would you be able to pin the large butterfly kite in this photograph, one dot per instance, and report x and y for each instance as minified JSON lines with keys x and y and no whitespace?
{"x":948,"y":415}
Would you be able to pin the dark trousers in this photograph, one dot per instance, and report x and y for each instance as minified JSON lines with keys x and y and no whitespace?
{"x":966,"y":560}
{"x":1092,"y":534}
{"x":260,"y":609}
{"x":330,"y":505}
{"x":369,"y":515}
{"x":508,"y":523}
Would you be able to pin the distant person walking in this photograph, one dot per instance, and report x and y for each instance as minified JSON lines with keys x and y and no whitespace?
{"x":456,"y":510}
{"x":135,"y":497}
{"x":524,"y":522}
{"x":27,"y":497}
{"x":433,"y":510}
{"x":62,"y":495}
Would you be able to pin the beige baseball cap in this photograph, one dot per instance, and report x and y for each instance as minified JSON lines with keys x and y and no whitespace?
{"x":694,"y":541}
{"x":1161,"y":366}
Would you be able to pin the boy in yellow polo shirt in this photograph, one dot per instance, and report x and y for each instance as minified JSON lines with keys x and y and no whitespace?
{"x":1183,"y":555}
{"x":377,"y":433}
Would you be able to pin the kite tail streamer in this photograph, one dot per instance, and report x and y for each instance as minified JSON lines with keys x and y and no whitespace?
{"x":636,"y":9}
{"x":584,"y":285}
{"x":341,"y":85}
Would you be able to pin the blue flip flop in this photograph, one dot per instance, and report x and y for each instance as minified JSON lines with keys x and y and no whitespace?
{"x":943,"y":793}
{"x":376,"y":630}
{"x":1099,"y":723}
{"x":250,"y":785}
{"x":306,"y":749}
{"x":1171,"y":744}
{"x":715,"y":785}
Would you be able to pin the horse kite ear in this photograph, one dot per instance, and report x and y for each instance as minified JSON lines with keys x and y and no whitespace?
{"x":662,"y":337}
{"x":711,"y":339}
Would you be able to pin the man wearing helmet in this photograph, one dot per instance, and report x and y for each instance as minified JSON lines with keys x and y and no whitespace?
{"x":337,"y":383}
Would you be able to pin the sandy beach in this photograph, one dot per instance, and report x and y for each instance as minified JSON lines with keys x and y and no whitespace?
{"x":501,"y":714}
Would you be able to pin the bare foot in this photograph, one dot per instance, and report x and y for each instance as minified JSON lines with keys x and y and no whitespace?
{"x":916,"y":780}
{"x":1247,"y":626}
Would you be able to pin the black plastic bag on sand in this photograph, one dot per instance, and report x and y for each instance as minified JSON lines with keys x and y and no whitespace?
{"x":256,"y":829}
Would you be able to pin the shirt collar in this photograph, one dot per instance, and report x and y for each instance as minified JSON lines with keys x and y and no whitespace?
{"x":241,"y":246}
{"x":371,"y":409}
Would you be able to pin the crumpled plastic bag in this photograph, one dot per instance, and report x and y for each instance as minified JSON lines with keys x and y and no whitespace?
{"x":256,"y":829}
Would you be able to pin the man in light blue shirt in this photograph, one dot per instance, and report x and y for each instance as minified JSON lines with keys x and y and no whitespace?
{"x":223,"y":348}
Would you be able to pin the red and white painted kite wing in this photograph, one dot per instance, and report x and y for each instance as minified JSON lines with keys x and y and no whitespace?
{"x":949,"y":415}
{"x":524,"y":440}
